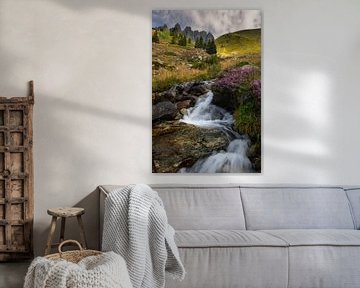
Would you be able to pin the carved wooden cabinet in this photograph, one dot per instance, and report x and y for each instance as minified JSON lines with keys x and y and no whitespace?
{"x":16,"y":177}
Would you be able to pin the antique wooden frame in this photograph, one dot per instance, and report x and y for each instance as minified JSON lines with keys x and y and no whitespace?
{"x":16,"y":177}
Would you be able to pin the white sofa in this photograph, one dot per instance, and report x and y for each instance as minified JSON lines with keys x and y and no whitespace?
{"x":264,"y":237}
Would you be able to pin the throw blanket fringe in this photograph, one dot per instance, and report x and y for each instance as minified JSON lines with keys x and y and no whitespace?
{"x":136,"y":227}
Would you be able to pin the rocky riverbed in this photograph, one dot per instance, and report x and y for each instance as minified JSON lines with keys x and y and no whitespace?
{"x":177,"y":145}
{"x":192,"y":135}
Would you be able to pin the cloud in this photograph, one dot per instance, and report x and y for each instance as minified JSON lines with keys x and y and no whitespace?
{"x":218,"y":22}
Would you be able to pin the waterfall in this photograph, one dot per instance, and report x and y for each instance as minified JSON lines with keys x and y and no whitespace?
{"x":234,"y":160}
{"x":207,"y":115}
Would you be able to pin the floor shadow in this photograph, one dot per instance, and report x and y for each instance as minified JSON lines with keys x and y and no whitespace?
{"x":91,"y":219}
{"x":12,"y":274}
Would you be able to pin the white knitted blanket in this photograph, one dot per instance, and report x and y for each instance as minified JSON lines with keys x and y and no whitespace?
{"x":103,"y":271}
{"x":136,"y":227}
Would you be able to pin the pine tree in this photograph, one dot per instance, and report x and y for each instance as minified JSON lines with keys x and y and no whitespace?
{"x":211,"y":47}
{"x":197,"y":43}
{"x":201,"y":43}
{"x":182,"y":40}
{"x":179,"y":40}
{"x":189,"y":41}
{"x":175,"y":39}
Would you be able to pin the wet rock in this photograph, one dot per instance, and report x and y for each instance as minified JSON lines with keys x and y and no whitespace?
{"x":182,"y":96}
{"x":168,"y":95}
{"x":193,"y":88}
{"x":186,"y":96}
{"x":258,"y":165}
{"x":177,"y":145}
{"x":183,"y":104}
{"x":253,"y":150}
{"x":198,"y":89}
{"x":225,"y":98}
{"x":180,"y":87}
{"x":183,"y":111}
{"x":254,"y":155}
{"x":184,"y":91}
{"x":163,"y":111}
{"x":178,"y":116}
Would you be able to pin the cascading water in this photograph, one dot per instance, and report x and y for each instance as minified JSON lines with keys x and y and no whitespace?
{"x":234,"y":159}
{"x":204,"y":114}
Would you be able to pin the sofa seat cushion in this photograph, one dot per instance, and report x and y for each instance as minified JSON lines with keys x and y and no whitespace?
{"x":317,"y":237}
{"x":323,"y":258}
{"x":225,"y":238}
{"x":235,"y":267}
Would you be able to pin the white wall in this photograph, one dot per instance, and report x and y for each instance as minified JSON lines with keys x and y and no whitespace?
{"x":91,"y":63}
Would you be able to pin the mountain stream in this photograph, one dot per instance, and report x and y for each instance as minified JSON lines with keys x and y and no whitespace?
{"x":234,"y":159}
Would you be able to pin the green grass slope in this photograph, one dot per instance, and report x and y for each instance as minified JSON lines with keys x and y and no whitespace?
{"x":239,"y":43}
{"x":164,"y":36}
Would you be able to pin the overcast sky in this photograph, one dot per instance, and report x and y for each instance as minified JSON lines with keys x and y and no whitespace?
{"x":218,"y":22}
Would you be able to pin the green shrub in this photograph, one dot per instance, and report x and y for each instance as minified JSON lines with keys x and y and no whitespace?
{"x":213,"y":71}
{"x":170,"y":53}
{"x":213,"y":59}
{"x":242,"y":63}
{"x":155,"y":37}
{"x":199,"y":64}
{"x":164,"y":35}
{"x":248,"y":119}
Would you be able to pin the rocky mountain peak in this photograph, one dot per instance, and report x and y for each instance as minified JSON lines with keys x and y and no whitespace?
{"x":177,"y":27}
{"x":193,"y":34}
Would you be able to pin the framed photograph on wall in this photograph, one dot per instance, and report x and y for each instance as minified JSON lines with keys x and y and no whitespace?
{"x":206,"y":91}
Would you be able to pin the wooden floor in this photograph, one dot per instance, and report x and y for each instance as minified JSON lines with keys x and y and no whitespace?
{"x":12,"y":274}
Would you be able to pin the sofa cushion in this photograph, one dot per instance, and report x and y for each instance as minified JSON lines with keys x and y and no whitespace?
{"x":324,"y":266}
{"x":315,"y":237}
{"x":226,"y":238}
{"x":204,"y":208}
{"x":354,"y":198}
{"x":199,"y":207}
{"x":296,"y":208}
{"x":220,"y":267}
{"x":322,"y":258}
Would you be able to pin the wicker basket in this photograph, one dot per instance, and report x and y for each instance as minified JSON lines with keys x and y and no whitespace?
{"x":72,"y":256}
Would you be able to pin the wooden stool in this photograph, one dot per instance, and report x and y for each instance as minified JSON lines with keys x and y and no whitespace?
{"x":64,"y":213}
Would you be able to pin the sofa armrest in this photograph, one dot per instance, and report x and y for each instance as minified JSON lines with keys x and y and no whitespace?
{"x":103,"y":195}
